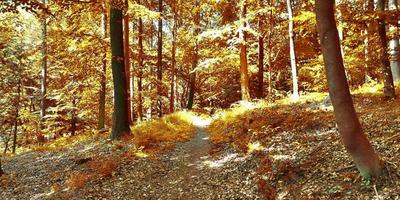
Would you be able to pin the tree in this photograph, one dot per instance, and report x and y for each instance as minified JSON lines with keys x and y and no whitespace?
{"x":292,"y":51}
{"x":120,"y":125}
{"x":394,"y":46}
{"x":140,"y":70}
{"x":195,"y":56}
{"x":387,"y":73}
{"x":260,"y":89}
{"x":356,"y":143}
{"x":103,"y":77}
{"x":44,"y":66}
{"x":244,"y":74}
{"x":127,"y":63}
{"x":173,"y":57}
{"x":1,"y":169}
{"x":159,"y":59}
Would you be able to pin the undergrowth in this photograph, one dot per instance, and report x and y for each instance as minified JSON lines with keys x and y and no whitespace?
{"x":172,"y":128}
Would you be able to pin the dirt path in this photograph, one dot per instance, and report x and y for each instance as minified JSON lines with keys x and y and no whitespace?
{"x":186,"y":172}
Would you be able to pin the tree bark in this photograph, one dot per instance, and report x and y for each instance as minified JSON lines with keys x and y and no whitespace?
{"x":120,"y":125}
{"x":394,"y":46}
{"x":295,"y":95}
{"x":140,"y":70}
{"x":159,"y":60}
{"x":356,"y":143}
{"x":14,"y":144}
{"x":103,"y":77}
{"x":43,"y":105}
{"x":387,"y":73}
{"x":244,"y":74}
{"x":195,"y":58}
{"x":260,"y":89}
{"x":173,"y":61}
{"x":127,"y":63}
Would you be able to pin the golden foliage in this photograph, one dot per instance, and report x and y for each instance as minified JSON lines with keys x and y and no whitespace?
{"x":171,"y":128}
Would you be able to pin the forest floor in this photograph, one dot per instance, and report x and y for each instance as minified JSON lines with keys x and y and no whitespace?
{"x":274,"y":150}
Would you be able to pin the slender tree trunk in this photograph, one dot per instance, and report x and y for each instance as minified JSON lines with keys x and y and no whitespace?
{"x":173,"y":62}
{"x":127,"y":63}
{"x":356,"y":143}
{"x":120,"y":116}
{"x":292,"y":52}
{"x":195,"y":59}
{"x":103,"y":79}
{"x":14,"y":144}
{"x":387,"y":73}
{"x":244,"y":74}
{"x":132,"y":84}
{"x":140,"y":70}
{"x":367,"y":41}
{"x":260,"y":91}
{"x":159,"y":60}
{"x":73,"y":117}
{"x":44,"y":69}
{"x":394,"y":46}
{"x":1,"y":169}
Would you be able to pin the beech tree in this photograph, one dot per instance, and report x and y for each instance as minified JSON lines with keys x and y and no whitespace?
{"x":120,"y":122}
{"x":355,"y":141}
{"x":140,"y":70}
{"x":387,"y":73}
{"x":44,"y":66}
{"x":159,"y":59}
{"x":127,"y":62}
{"x":244,"y":74}
{"x":195,"y":56}
{"x":103,"y":77}
{"x":292,"y":52}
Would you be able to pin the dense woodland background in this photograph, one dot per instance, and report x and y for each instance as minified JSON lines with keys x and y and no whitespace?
{"x":72,"y":67}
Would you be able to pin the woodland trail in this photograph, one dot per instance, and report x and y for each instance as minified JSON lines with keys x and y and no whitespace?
{"x":188,"y":171}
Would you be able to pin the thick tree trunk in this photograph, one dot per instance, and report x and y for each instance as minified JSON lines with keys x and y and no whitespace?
{"x":44,"y":69}
{"x":140,"y":70}
{"x":127,"y":64}
{"x":387,"y":73}
{"x":394,"y":46}
{"x":260,"y":89}
{"x":195,"y":59}
{"x":120,"y":116}
{"x":103,"y":79}
{"x":159,"y":60}
{"x":356,"y":143}
{"x":292,"y":52}
{"x":244,"y":74}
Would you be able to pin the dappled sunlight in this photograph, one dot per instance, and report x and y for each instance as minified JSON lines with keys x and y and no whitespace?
{"x":232,"y":157}
{"x":201,"y":122}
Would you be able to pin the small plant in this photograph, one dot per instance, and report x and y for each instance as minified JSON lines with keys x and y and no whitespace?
{"x":77,"y":180}
{"x":104,"y":167}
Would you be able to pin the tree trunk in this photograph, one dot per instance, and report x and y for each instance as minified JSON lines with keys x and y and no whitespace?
{"x":127,"y":63}
{"x":292,"y":52}
{"x":394,"y":46}
{"x":44,"y":69}
{"x":356,"y":143}
{"x":1,"y":168}
{"x":14,"y":144}
{"x":173,"y":62}
{"x":120,"y":116}
{"x":132,"y":84}
{"x":140,"y":70}
{"x":73,"y":117}
{"x":368,"y":35}
{"x":244,"y":74}
{"x":195,"y":59}
{"x":103,"y":79}
{"x":387,"y":73}
{"x":260,"y":89}
{"x":159,"y":60}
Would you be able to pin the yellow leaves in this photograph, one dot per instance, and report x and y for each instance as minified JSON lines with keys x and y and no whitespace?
{"x":254,"y":146}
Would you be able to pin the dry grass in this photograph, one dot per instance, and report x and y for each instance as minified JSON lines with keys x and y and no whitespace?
{"x":171,"y":128}
{"x":105,"y":167}
{"x":77,"y":180}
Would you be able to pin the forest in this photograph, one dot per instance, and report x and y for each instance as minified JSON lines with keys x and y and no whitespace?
{"x":199,"y":99}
